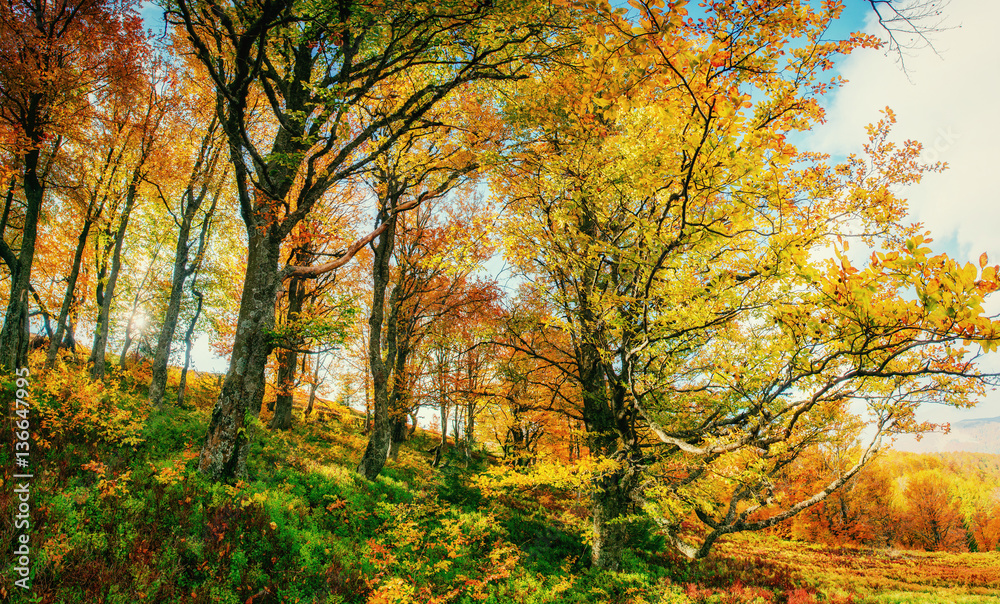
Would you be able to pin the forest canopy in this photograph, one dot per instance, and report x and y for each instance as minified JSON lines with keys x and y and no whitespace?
{"x":694,"y":304}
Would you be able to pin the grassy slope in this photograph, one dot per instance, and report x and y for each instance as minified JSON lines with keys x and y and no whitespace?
{"x":120,"y":515}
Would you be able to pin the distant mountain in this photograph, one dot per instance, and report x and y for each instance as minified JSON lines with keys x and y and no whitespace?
{"x":978,"y":435}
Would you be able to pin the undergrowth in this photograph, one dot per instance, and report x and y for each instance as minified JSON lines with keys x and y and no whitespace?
{"x":120,"y":514}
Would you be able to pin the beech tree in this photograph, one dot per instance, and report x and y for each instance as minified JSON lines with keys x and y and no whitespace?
{"x":195,"y":204}
{"x":53,"y":56}
{"x":411,"y":174}
{"x":139,"y":126}
{"x":315,"y":313}
{"x":312,"y":67}
{"x":676,"y":235}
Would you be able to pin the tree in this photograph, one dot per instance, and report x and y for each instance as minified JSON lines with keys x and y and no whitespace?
{"x":416,"y":172}
{"x":205,"y":181}
{"x":314,"y":66}
{"x":315,"y":312}
{"x":674,"y":233}
{"x":140,"y":125}
{"x":53,"y":56}
{"x":931,"y":517}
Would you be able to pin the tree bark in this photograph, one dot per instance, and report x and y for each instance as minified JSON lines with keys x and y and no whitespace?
{"x":15,"y":332}
{"x":230,"y":431}
{"x":313,"y":387}
{"x":609,"y":426}
{"x":188,"y":343}
{"x":181,"y":271}
{"x":97,"y":352}
{"x":191,"y":202}
{"x":287,"y":359}
{"x":74,"y":275}
{"x":380,"y":437}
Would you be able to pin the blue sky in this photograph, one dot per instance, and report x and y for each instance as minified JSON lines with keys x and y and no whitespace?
{"x":947,"y":100}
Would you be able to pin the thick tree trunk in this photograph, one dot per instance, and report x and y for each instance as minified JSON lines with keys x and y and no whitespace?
{"x":224,"y":454}
{"x":97,"y":360}
{"x":15,"y":332}
{"x":609,"y":510}
{"x":398,"y":436}
{"x":612,"y":492}
{"x":607,"y":437}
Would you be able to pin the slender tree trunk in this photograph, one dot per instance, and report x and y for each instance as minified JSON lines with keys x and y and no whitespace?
{"x":15,"y":332}
{"x":313,"y":387}
{"x":97,"y":353}
{"x":188,"y":343}
{"x":470,"y":428}
{"x":442,"y":447}
{"x":8,"y":203}
{"x":67,"y":303}
{"x":368,"y":394}
{"x":287,"y":359}
{"x":380,"y":437}
{"x":191,"y":202}
{"x":158,"y":383}
{"x":46,"y":317}
{"x":224,"y":454}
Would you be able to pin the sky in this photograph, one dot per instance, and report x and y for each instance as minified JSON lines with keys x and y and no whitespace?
{"x":946,"y":98}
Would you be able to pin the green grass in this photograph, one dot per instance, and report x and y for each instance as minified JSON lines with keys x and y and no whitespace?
{"x":120,"y":514}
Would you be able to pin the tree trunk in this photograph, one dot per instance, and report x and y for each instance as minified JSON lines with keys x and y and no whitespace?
{"x":609,"y":510}
{"x":224,"y":454}
{"x":287,"y":359}
{"x":158,"y":382}
{"x":609,"y":437}
{"x":380,"y":437}
{"x":182,"y":270}
{"x":104,"y":315}
{"x":442,"y":447}
{"x":15,"y":332}
{"x":188,"y":343}
{"x":398,"y":436}
{"x":313,"y":387}
{"x":74,"y":275}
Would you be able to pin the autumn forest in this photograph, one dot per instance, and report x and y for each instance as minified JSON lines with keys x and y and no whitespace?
{"x":509,"y":301}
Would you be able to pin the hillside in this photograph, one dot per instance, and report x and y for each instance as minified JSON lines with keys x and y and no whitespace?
{"x":977,"y":435}
{"x":121,"y":514}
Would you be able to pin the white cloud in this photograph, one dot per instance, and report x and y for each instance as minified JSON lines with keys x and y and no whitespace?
{"x":949,"y":102}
